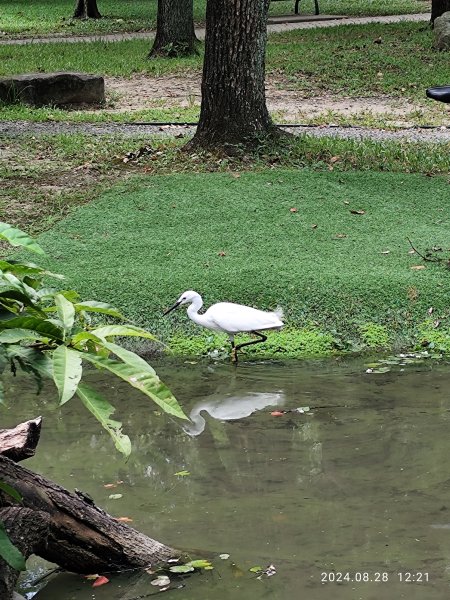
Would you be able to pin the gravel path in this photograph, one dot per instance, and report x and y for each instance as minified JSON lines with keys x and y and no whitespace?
{"x":25,"y":128}
{"x":299,"y":23}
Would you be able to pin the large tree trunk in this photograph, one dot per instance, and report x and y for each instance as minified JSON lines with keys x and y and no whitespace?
{"x":86,"y":9}
{"x":69,"y":529}
{"x":233,"y":109}
{"x":175,"y":34}
{"x":438,"y":8}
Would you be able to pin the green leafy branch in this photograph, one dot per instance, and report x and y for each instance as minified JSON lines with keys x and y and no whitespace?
{"x":48,"y":333}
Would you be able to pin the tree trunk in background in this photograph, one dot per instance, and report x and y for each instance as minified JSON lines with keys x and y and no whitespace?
{"x":233,"y":109}
{"x":175,"y":34}
{"x":438,"y":8}
{"x":86,"y":9}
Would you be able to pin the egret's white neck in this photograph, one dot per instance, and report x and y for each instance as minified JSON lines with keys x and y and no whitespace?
{"x":193,"y":309}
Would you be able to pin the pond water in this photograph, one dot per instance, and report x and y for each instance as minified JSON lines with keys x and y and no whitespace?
{"x":360,"y":484}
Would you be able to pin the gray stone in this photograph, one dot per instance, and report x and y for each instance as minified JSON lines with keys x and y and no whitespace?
{"x":441,"y":32}
{"x":54,"y":89}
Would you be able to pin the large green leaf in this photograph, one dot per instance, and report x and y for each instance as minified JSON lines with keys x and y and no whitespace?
{"x":122,"y":330}
{"x":38,"y":360}
{"x":12,"y":336}
{"x":42,"y":326}
{"x":8,"y":489}
{"x":21,"y":269}
{"x":16,"y":237}
{"x":79,"y":339}
{"x":141,"y":379}
{"x":15,"y":295}
{"x":12,"y":555}
{"x":100,"y":307}
{"x":66,"y":312}
{"x":128,"y":357}
{"x":67,"y":372}
{"x":102,"y":411}
{"x":43,"y":293}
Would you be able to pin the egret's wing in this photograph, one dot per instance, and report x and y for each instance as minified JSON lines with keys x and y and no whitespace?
{"x":233,"y":318}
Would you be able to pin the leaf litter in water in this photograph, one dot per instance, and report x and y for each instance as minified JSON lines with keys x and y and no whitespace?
{"x":181,"y":569}
{"x":400,"y":360}
{"x":268,"y":571}
{"x":101,"y":580}
{"x":200,"y":564}
{"x":191,"y":566}
{"x":161,"y":581}
{"x":182,"y":473}
{"x":256,"y":569}
{"x":301,"y":409}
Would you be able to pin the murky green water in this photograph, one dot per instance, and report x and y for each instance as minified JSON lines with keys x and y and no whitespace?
{"x":359,"y":485}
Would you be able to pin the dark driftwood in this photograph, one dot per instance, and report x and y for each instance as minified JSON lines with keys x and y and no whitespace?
{"x":82,"y":538}
{"x":20,"y":443}
{"x":70,"y":530}
{"x":28,"y":530}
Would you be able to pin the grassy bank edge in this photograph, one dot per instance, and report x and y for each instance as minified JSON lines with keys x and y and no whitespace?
{"x":312,"y":340}
{"x":307,"y":342}
{"x":66,"y":171}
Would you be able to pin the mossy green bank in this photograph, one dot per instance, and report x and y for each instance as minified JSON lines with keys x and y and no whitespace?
{"x":330,"y":247}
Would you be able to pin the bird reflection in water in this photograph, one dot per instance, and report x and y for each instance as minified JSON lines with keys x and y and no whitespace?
{"x":231,"y":408}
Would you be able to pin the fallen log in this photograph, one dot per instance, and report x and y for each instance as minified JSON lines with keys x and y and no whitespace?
{"x":20,"y":443}
{"x":78,"y":535}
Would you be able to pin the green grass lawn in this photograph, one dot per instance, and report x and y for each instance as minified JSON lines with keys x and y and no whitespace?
{"x":349,"y":61}
{"x":236,"y":237}
{"x":25,"y":18}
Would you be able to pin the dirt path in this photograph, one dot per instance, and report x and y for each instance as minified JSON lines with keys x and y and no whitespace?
{"x":286,"y":104}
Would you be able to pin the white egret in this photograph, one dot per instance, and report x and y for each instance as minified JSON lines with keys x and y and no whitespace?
{"x":230,"y":318}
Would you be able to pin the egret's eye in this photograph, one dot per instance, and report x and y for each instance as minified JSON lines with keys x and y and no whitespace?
{"x":184,"y":298}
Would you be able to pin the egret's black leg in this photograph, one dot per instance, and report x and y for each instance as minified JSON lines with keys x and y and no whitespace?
{"x":262,"y":338}
{"x":233,"y":351}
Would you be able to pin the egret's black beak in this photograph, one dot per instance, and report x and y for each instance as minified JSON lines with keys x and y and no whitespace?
{"x":171,"y":308}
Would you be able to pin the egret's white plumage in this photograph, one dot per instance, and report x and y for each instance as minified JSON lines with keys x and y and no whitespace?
{"x":230,"y":318}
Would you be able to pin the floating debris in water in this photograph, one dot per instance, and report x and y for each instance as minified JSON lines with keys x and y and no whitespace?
{"x":401,"y":360}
